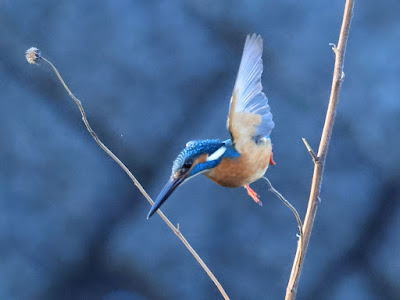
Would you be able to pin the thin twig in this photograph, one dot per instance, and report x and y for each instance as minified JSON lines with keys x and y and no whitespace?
{"x":338,"y":77}
{"x":176,"y":230}
{"x":310,"y":150}
{"x":288,"y":204}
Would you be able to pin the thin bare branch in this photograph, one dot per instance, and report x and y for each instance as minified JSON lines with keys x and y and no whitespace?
{"x":288,"y":204}
{"x":338,"y":77}
{"x":176,"y":230}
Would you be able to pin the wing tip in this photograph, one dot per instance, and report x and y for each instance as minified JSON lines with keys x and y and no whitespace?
{"x":254,"y":39}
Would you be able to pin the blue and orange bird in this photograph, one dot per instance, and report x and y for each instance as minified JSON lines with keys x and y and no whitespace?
{"x":245,"y":157}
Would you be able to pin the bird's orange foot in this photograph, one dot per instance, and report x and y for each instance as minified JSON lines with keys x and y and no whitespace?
{"x":253,"y":195}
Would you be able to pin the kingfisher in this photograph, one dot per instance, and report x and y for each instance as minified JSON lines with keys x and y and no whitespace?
{"x":245,"y":157}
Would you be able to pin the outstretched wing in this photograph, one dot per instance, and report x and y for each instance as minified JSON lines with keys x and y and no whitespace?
{"x":249,"y":114}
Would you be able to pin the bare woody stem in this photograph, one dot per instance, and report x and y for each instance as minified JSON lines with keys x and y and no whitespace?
{"x":288,"y":204}
{"x":319,"y":162}
{"x":136,"y":182}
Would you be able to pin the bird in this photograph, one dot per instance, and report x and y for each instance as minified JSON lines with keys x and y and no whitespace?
{"x":245,"y":157}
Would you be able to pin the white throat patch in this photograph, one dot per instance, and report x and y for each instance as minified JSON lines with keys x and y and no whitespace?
{"x":217,"y":154}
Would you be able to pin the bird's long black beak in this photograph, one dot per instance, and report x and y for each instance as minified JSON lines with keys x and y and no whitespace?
{"x":172,"y":184}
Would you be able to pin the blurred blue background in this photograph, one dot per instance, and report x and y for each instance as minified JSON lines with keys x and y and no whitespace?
{"x":153,"y":75}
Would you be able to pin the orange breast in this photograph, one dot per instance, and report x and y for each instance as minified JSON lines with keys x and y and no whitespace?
{"x":249,"y":167}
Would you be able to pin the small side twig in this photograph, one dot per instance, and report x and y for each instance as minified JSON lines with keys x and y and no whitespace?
{"x":334,"y":48}
{"x":32,"y":56}
{"x":310,"y":150}
{"x":288,"y":204}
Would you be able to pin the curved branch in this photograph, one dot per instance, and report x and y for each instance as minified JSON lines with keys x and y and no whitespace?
{"x":288,"y":204}
{"x":32,"y":58}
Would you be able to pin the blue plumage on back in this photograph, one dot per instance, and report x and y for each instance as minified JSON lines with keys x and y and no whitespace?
{"x":230,"y":152}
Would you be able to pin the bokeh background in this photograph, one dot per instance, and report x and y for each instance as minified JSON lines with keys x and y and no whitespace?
{"x":153,"y":75}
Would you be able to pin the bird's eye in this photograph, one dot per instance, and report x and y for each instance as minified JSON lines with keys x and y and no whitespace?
{"x":186,"y":166}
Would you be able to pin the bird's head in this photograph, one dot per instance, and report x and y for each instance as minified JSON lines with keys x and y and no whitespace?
{"x":198,"y":157}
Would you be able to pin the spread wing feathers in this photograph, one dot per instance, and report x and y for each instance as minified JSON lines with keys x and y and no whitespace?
{"x":249,"y":112}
